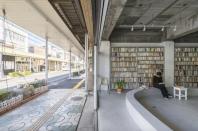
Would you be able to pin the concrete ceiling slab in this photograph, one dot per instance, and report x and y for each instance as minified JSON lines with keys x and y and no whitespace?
{"x":158,"y":13}
{"x":115,"y":8}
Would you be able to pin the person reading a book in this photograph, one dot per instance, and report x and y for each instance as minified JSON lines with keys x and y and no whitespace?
{"x":158,"y":83}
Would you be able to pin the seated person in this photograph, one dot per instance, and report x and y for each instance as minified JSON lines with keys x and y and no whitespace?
{"x":158,"y":83}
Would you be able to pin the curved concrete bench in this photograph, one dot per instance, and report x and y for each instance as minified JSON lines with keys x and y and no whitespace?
{"x":143,"y":118}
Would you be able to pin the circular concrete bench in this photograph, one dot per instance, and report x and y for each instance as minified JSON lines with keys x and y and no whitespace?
{"x":143,"y":118}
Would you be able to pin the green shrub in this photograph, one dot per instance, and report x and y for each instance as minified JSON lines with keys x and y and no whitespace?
{"x":13,"y":74}
{"x":75,"y":73}
{"x":37,"y":83}
{"x":4,"y":95}
{"x":26,"y":73}
{"x":18,"y":74}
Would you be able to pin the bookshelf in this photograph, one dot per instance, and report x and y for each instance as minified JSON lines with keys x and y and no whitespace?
{"x":186,"y":66}
{"x":135,"y":65}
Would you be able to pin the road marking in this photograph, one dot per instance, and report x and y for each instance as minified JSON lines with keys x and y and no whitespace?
{"x":43,"y":119}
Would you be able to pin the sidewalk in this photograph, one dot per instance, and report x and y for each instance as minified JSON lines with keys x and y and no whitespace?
{"x":12,"y":82}
{"x":58,"y":109}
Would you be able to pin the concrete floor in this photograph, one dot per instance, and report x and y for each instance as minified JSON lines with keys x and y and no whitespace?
{"x":113,"y":115}
{"x":178,"y":115}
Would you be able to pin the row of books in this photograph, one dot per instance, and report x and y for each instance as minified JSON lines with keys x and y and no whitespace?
{"x":187,"y":63}
{"x":132,"y":59}
{"x":131,"y":69}
{"x":124,"y":74}
{"x":151,"y":54}
{"x":192,"y":85}
{"x":118,"y":49}
{"x":187,"y":49}
{"x":124,"y":64}
{"x":150,"y":62}
{"x":191,"y":59}
{"x":186,"y":73}
{"x":149,"y":71}
{"x":186,"y":67}
{"x":150,"y":49}
{"x":144,"y":75}
{"x":145,"y":80}
{"x":132,"y":79}
{"x":116,"y":54}
{"x":150,"y":66}
{"x":186,"y":79}
{"x":150,"y":58}
{"x":136,"y":49}
{"x":186,"y":54}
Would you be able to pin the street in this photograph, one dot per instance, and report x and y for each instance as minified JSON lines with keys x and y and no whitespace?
{"x":53,"y":78}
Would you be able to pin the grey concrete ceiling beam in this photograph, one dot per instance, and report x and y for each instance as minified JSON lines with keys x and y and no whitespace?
{"x":186,"y":11}
{"x":184,"y":26}
{"x":114,"y":11}
{"x":158,"y":7}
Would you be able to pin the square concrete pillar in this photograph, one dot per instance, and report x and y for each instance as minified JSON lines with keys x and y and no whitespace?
{"x":169,"y":63}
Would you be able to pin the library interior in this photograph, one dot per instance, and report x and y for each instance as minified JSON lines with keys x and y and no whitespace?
{"x":119,"y":65}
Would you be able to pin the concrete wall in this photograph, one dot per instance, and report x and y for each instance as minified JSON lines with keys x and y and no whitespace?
{"x":104,"y":60}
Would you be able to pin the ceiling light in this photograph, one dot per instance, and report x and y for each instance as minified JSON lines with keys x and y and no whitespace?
{"x":132,"y":29}
{"x":175,"y":28}
{"x":162,"y":28}
{"x":144,"y":29}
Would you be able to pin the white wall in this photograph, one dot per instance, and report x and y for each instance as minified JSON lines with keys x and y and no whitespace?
{"x":104,"y":60}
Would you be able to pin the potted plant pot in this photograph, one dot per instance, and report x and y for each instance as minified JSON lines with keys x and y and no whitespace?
{"x":119,"y":90}
{"x":120,"y":85}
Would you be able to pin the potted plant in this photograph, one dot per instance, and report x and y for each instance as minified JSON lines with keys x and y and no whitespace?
{"x":120,"y":85}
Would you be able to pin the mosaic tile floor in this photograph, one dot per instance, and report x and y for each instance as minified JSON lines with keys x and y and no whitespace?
{"x":66,"y":117}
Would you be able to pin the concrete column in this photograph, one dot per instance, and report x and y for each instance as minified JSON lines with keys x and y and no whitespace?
{"x":95,"y":77}
{"x":169,"y":63}
{"x":104,"y":60}
{"x":46,"y":60}
{"x":86,"y":62}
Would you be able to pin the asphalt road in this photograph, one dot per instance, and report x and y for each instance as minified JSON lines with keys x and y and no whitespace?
{"x":55,"y":81}
{"x":63,"y":83}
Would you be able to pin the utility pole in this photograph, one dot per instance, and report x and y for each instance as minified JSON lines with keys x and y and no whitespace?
{"x":46,"y":60}
{"x":70,"y":63}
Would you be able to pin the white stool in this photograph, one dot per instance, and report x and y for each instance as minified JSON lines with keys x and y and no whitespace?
{"x":180,"y":92}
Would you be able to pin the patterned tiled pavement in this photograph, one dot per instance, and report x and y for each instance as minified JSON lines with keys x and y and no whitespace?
{"x":64,"y":117}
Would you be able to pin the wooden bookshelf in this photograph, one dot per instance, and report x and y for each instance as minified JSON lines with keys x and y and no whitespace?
{"x":135,"y":65}
{"x":186,"y":66}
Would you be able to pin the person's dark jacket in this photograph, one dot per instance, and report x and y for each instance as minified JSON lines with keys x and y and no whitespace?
{"x":157,"y":80}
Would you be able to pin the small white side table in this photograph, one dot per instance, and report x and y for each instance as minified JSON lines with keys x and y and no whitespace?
{"x":180,"y":92}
